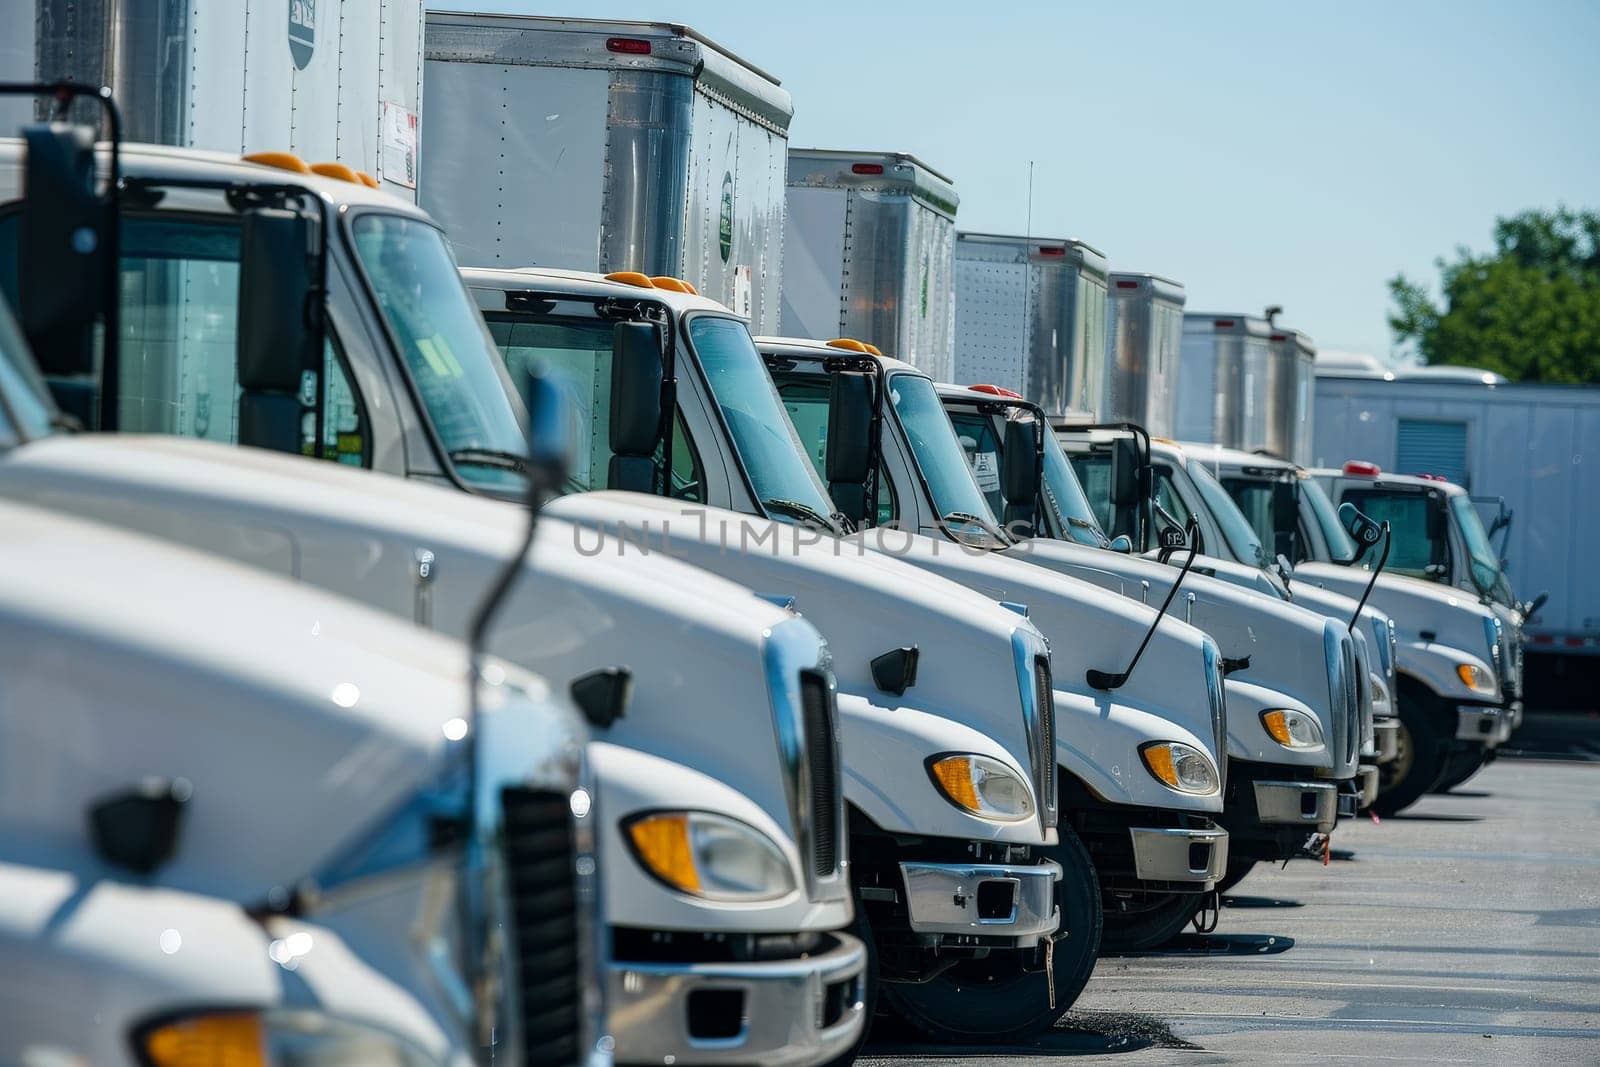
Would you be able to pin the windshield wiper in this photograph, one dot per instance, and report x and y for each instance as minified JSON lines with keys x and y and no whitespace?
{"x":970,"y":519}
{"x":796,"y":509}
{"x":491,"y":457}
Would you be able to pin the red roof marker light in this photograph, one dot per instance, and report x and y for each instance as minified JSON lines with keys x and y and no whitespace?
{"x":1122,"y":284}
{"x":996,"y":390}
{"x":866,"y":168}
{"x":1052,"y":250}
{"x":1362,"y":467}
{"x":628,"y":46}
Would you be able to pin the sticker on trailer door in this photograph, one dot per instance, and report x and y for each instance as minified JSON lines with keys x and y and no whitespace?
{"x":399,"y":163}
{"x":302,"y":31}
{"x":741,"y":290}
{"x":986,"y":469}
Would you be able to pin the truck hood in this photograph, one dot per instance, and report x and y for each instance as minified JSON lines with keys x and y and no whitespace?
{"x":1089,"y":630}
{"x":1429,"y":618}
{"x":578,"y":607}
{"x":1287,"y":646}
{"x":300,"y":721}
{"x":865,"y":604}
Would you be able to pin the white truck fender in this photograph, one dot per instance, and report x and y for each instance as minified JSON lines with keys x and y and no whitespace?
{"x":1247,"y":735}
{"x":1098,"y":740}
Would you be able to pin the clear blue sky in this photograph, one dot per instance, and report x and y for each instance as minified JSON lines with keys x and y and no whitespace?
{"x":1256,"y":152}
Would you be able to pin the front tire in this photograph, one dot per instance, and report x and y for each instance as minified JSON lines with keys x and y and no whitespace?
{"x":1420,"y":760}
{"x":995,"y":999}
{"x":1159,"y":918}
{"x":1459,"y":767}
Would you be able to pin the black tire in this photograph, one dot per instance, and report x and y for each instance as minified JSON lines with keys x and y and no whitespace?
{"x":1461,"y":766}
{"x":1410,"y":775}
{"x":869,"y":996}
{"x":1154,"y":919}
{"x":995,"y":1000}
{"x":1236,"y":872}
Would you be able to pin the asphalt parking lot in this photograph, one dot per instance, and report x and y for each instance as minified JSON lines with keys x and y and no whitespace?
{"x":1465,"y":931}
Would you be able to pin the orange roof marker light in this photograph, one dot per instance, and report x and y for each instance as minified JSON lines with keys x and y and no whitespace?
{"x":280,"y":160}
{"x":874,"y":349}
{"x":336,"y":171}
{"x":674,"y":285}
{"x":366,"y":179}
{"x":631,"y":277}
{"x":850,"y":344}
{"x":996,"y":390}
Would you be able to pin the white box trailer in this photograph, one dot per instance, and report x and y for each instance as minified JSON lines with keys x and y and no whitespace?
{"x":868,"y":245}
{"x":1520,"y":447}
{"x":1031,"y":317}
{"x":606,"y":146}
{"x":1144,"y":328}
{"x":1290,"y":385}
{"x":328,"y":82}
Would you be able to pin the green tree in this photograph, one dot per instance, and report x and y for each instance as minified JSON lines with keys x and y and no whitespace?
{"x":1529,"y":310}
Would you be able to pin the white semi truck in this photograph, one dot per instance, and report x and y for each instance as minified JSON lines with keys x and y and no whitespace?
{"x":205,"y":820}
{"x":868,"y":249}
{"x":963,"y":908}
{"x":716,"y":898}
{"x":598,"y":145}
{"x":1031,"y":317}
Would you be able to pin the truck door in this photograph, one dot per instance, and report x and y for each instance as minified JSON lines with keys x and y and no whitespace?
{"x":1418,"y":524}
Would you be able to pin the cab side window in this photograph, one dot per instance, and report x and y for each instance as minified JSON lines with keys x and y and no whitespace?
{"x":983,"y":449}
{"x":1167,"y":496}
{"x":576,"y":357}
{"x":806,"y":403}
{"x":1412,"y":550}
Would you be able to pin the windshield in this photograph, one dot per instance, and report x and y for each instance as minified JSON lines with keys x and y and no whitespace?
{"x":446,"y":347}
{"x":774,"y":459}
{"x":1485,"y":565}
{"x":24,"y":402}
{"x":938,"y":452}
{"x":1066,"y":496}
{"x":1242,"y":540}
{"x":1341,"y":548}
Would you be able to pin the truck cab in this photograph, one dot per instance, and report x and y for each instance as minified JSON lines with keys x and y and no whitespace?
{"x":231,"y":795}
{"x":404,"y":379}
{"x":926,"y":667}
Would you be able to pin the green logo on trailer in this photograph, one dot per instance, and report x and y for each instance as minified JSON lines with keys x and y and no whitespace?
{"x":725,"y":219}
{"x":302,"y":31}
{"x":924,"y":288}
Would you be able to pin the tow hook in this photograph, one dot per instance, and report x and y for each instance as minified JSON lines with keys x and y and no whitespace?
{"x":1050,"y":963}
{"x":1209,"y":913}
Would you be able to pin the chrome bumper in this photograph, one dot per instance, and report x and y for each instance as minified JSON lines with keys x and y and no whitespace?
{"x":1367,"y":783}
{"x":1516,"y":715}
{"x":986,"y":899}
{"x":1313,"y":805}
{"x":1485,"y":725}
{"x":794,"y":1011}
{"x":1161,"y":855}
{"x":1386,"y":739}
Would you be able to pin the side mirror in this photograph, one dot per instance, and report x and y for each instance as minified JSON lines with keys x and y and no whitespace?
{"x":280,"y":332}
{"x":1173,"y":537}
{"x":1361,"y":529}
{"x":1437,"y":523}
{"x":1285,"y":503}
{"x":1121,"y":543}
{"x":549,"y":444}
{"x":1531,"y":608}
{"x":1020,"y":465}
{"x":637,"y":377}
{"x":63,"y":242}
{"x":1124,"y":473}
{"x":849,"y":450}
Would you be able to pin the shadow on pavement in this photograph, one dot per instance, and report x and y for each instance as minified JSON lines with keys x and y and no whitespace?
{"x":1407,"y":816}
{"x":1216,"y":945}
{"x":1079,"y":1033}
{"x":1259,"y":902}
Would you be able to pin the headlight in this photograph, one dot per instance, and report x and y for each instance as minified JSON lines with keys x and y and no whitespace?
{"x":983,"y":787}
{"x":271,"y":1039}
{"x":710,"y":856}
{"x":1292,"y":729}
{"x":1179,"y":766}
{"x":1475,"y":678}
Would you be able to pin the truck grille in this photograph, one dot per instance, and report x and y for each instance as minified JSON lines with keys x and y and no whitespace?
{"x":818,"y":712}
{"x":539,"y":850}
{"x":1044,"y":769}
